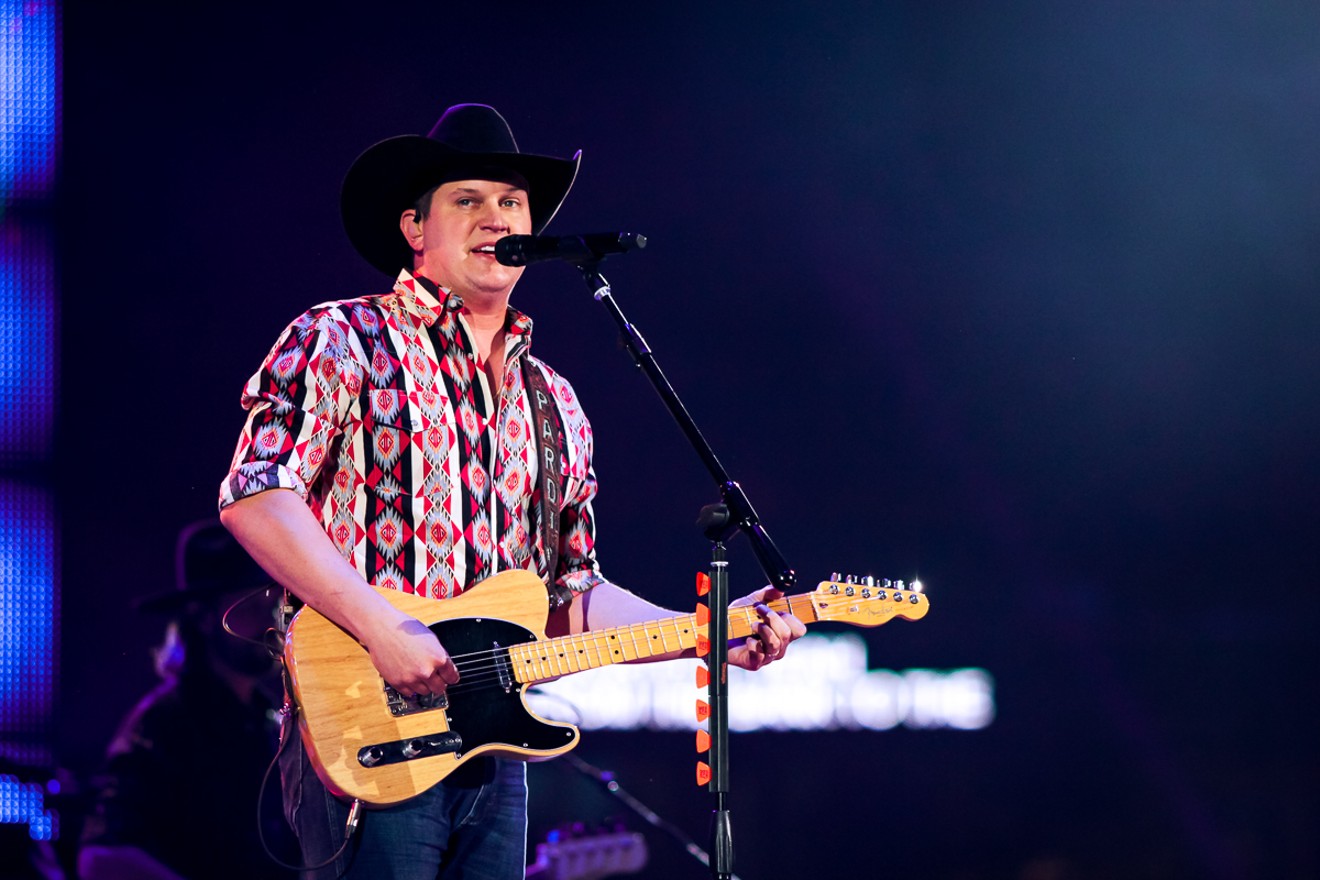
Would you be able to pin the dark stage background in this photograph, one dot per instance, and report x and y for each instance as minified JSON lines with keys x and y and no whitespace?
{"x":1021,"y":297}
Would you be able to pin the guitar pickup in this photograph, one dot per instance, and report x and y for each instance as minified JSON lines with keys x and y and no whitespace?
{"x":502,"y":667}
{"x":400,"y":705}
{"x":401,"y":750}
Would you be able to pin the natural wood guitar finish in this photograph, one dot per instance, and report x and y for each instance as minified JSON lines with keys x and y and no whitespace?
{"x":370,"y":743}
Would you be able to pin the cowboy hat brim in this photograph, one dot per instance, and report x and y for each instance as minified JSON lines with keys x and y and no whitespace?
{"x":209,"y":563}
{"x":389,"y":177}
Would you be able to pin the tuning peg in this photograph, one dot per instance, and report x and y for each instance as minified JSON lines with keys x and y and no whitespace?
{"x":918,"y":586}
{"x":835,"y":576}
{"x":886,"y":583}
{"x":898,"y":585}
{"x":868,"y":581}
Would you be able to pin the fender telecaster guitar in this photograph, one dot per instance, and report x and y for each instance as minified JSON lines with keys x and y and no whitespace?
{"x":369,"y":742}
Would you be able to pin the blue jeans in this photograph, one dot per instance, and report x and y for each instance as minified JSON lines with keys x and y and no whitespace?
{"x":471,"y":826}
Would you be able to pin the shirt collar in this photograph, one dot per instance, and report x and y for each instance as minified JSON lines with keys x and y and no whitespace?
{"x":423,"y":299}
{"x":418,"y":296}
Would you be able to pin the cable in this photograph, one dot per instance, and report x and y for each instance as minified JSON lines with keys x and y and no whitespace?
{"x":273,"y":645}
{"x":351,"y":824}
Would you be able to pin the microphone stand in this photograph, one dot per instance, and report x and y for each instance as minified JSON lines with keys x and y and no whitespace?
{"x":718,"y":523}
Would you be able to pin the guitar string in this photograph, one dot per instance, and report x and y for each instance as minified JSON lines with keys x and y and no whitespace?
{"x":629,"y":630}
{"x":484,"y":669}
{"x":593,"y":637}
{"x":785,"y":603}
{"x":494,"y":667}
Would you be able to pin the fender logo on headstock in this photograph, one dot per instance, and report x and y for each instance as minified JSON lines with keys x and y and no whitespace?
{"x":870,"y":602}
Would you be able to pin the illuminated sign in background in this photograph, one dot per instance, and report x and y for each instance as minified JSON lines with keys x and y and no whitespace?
{"x":29,"y":534}
{"x":822,"y":684}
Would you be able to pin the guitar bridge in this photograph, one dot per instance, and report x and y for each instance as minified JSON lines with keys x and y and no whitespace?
{"x":401,"y":705}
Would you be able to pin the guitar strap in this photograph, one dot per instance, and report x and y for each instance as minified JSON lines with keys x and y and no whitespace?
{"x":546,"y":417}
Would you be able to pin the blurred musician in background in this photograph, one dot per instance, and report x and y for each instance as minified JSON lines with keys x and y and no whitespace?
{"x":178,"y":794}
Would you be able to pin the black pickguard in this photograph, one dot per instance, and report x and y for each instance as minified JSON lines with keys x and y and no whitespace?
{"x":480,"y":710}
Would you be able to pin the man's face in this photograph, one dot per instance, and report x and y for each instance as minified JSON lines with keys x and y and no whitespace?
{"x":457,"y":240}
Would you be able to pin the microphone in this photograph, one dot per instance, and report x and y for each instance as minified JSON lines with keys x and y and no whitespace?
{"x":523,"y":250}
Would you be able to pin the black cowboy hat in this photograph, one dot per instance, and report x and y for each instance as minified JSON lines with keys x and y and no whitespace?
{"x":471,"y":141}
{"x":208,"y":564}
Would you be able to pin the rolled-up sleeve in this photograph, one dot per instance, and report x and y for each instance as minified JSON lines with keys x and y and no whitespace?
{"x":296,"y":405}
{"x":577,"y":568}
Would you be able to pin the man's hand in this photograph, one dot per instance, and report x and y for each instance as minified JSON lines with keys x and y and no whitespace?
{"x":410,"y":658}
{"x":773,"y":633}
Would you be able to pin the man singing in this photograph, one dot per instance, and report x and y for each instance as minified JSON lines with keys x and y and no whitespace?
{"x":391,"y":441}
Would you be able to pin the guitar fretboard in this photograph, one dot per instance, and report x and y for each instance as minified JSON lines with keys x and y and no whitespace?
{"x":552,"y":658}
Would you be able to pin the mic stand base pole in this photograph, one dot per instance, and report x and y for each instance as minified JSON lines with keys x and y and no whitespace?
{"x":713,"y":520}
{"x":652,"y":818}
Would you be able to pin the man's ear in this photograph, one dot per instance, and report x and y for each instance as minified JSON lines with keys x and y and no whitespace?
{"x":411,"y":227}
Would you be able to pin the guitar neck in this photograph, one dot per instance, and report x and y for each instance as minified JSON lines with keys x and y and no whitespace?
{"x":552,"y":658}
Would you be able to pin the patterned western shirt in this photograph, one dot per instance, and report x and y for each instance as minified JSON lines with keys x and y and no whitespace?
{"x":377,"y":412}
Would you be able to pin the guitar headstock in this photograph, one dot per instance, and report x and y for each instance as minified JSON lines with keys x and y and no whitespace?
{"x":868,"y":601}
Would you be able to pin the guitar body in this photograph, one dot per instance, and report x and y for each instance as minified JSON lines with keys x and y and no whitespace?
{"x":368,"y":742}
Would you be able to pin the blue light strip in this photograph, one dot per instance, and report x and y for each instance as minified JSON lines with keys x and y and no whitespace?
{"x":23,"y":803}
{"x":30,"y":603}
{"x":29,"y":99}
{"x":28,"y":366}
{"x":29,"y":308}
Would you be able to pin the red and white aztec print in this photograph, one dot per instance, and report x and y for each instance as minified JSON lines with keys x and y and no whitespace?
{"x":376,"y":411}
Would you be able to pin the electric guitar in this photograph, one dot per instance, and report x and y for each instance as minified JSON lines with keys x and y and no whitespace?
{"x":369,"y":742}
